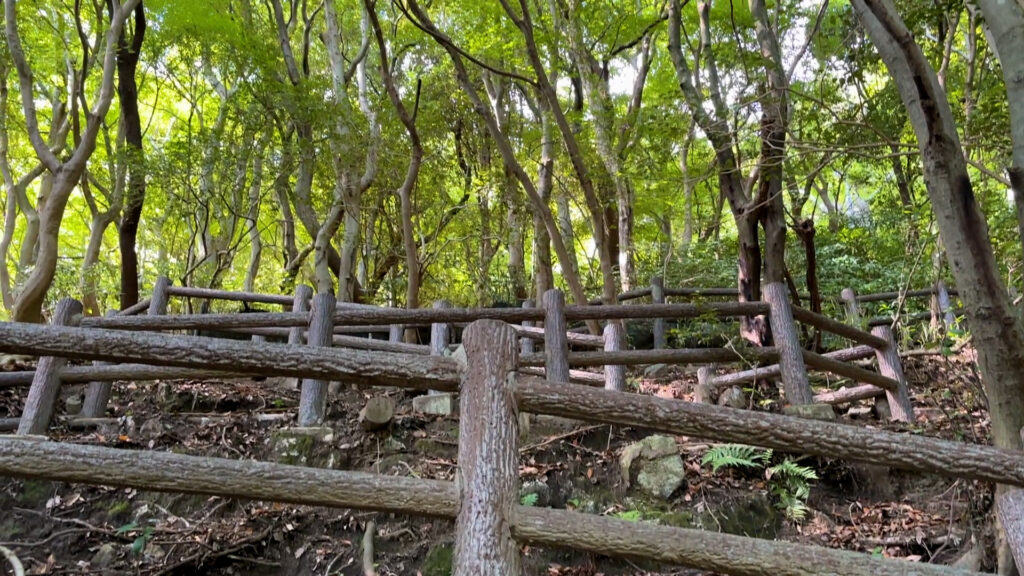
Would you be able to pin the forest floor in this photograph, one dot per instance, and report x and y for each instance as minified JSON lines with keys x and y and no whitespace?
{"x":59,"y":528}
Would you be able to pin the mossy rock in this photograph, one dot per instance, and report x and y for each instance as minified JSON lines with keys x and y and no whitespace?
{"x":118,"y":510}
{"x":438,"y":561}
{"x":303,"y":447}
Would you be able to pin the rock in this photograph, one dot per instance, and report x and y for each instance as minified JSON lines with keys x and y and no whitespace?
{"x":656,"y":370}
{"x":437,"y":404}
{"x":73,"y":405}
{"x":733,"y":397}
{"x":535,"y":493}
{"x":661,"y":468}
{"x":704,"y":394}
{"x":103,"y":557}
{"x":303,"y":446}
{"x":811,"y":411}
{"x":377,"y":413}
{"x":151,"y":428}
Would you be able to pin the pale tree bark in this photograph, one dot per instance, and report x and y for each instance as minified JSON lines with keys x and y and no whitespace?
{"x":715,"y":125}
{"x":101,"y":218}
{"x":252,"y":217}
{"x":508,"y":155}
{"x":28,"y":306}
{"x":688,"y":181}
{"x":412,"y":172}
{"x":543,"y":275}
{"x":1005,"y":22}
{"x":998,"y":334}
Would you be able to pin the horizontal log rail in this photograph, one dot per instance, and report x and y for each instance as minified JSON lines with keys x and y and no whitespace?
{"x":634,"y":311}
{"x":535,"y":333}
{"x":773,"y":371}
{"x":856,"y":373}
{"x":137,"y":308}
{"x":355,"y":366}
{"x":852,"y":394}
{"x":341,"y":341}
{"x":669,"y":356}
{"x":114,"y":372}
{"x":883,"y":296}
{"x":776,"y":431}
{"x":200,"y":321}
{"x":836,"y":327}
{"x":213,"y":294}
{"x":916,"y":316}
{"x":169,"y":472}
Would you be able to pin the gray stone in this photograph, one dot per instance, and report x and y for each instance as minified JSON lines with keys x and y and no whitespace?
{"x":437,"y":404}
{"x":704,"y":394}
{"x":811,"y":411}
{"x":104,"y":557}
{"x":733,"y":397}
{"x":663,"y":476}
{"x":73,"y":405}
{"x":656,"y":370}
{"x":540,"y":489}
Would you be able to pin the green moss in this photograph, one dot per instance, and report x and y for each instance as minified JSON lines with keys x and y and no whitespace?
{"x":35,"y":492}
{"x":118,"y":508}
{"x":438,"y":561}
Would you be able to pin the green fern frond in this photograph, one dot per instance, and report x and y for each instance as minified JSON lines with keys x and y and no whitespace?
{"x":734,"y":455}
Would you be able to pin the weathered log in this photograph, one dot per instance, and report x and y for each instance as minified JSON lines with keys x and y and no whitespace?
{"x":168,"y":472}
{"x":773,"y":371}
{"x":634,"y":294}
{"x":97,"y":394}
{"x":832,"y":440}
{"x":313,"y":395}
{"x":357,"y":366}
{"x":614,"y":374}
{"x":377,"y":413}
{"x":42,"y":396}
{"x":137,"y":308}
{"x":556,"y":341}
{"x":525,"y":342}
{"x":850,"y":305}
{"x":200,"y":321}
{"x":671,"y":356}
{"x":534,"y":333}
{"x":575,"y":376}
{"x":212,"y":294}
{"x":722,"y":309}
{"x":115,"y":372}
{"x":658,"y":297}
{"x":834,"y":326}
{"x":1010,"y":507}
{"x":945,"y":307}
{"x":300,"y":305}
{"x":488,"y":455}
{"x":846,"y":395}
{"x":160,"y":298}
{"x":889,"y":365}
{"x":883,"y":296}
{"x":856,"y":373}
{"x":701,"y":549}
{"x":340,"y":341}
{"x":787,"y":341}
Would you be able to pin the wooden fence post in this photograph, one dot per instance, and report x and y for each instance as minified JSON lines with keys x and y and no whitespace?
{"x":97,"y":394}
{"x":889,"y":365}
{"x":525,"y":343}
{"x":556,"y":343}
{"x":440,"y":334}
{"x":303,"y":295}
{"x":158,"y":301}
{"x":614,"y":376}
{"x":42,"y":397}
{"x":313,"y":399}
{"x":658,"y":297}
{"x":849,"y":298}
{"x":945,"y":306}
{"x":396,"y":333}
{"x":791,"y":360}
{"x":488,"y":474}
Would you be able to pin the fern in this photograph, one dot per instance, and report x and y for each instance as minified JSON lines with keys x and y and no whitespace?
{"x":790,"y":485}
{"x":736,"y":456}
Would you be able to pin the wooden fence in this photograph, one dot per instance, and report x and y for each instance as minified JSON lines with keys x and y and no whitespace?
{"x":491,"y":526}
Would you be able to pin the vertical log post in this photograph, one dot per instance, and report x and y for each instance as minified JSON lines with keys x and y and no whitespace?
{"x":658,"y":297}
{"x":303,"y":295}
{"x":396,"y":332}
{"x":704,"y":393}
{"x":526,"y":344}
{"x":849,"y":298}
{"x":488,"y":473}
{"x":556,"y":342}
{"x":313,"y":399}
{"x":97,"y":394}
{"x":42,"y":397}
{"x":791,"y":360}
{"x":440,"y":334}
{"x":158,"y":302}
{"x":614,"y":376}
{"x":945,"y":306}
{"x":889,"y":365}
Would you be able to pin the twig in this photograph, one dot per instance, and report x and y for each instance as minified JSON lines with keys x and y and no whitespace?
{"x":554,"y":439}
{"x":46,"y":540}
{"x":201,"y":556}
{"x":13,"y":560}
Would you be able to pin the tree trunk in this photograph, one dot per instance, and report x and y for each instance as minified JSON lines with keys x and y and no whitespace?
{"x":997,"y":333}
{"x":128,"y":98}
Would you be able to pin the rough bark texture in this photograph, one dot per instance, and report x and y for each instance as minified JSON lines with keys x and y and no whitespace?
{"x":300,"y":305}
{"x":102,"y":372}
{"x":556,"y":344}
{"x":703,"y":550}
{"x":1011,"y":512}
{"x":374,"y":368}
{"x":791,"y":434}
{"x":658,"y":297}
{"x":614,"y":374}
{"x":313,"y":400}
{"x":168,"y":472}
{"x":787,"y":341}
{"x":889,"y":365}
{"x":35,"y":418}
{"x":488,"y":457}
{"x":528,"y":327}
{"x":97,"y":394}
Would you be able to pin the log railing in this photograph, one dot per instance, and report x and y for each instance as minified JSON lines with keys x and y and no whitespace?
{"x":490,"y":525}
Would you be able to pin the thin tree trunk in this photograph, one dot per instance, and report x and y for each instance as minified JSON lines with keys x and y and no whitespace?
{"x":128,"y":98}
{"x":252,"y":218}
